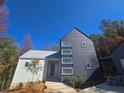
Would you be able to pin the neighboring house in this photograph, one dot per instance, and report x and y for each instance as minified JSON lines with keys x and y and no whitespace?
{"x":77,"y":57}
{"x":118,"y":58}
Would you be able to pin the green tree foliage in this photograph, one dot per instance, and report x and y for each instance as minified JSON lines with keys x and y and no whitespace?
{"x":74,"y":81}
{"x":8,"y":60}
{"x":111,"y":28}
{"x":95,"y":36}
{"x":113,"y":34}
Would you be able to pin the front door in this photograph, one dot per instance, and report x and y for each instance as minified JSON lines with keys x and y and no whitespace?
{"x":52,"y":69}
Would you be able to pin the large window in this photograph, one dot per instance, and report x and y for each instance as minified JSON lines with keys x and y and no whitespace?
{"x":67,"y":70}
{"x":66,"y":51}
{"x":88,"y":65}
{"x":67,"y":60}
{"x":66,"y":44}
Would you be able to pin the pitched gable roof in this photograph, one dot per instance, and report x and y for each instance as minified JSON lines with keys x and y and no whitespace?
{"x":82,"y":32}
{"x":40,"y":54}
{"x":76,"y":29}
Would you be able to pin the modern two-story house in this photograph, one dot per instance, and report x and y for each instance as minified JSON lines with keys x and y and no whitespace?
{"x":77,"y":57}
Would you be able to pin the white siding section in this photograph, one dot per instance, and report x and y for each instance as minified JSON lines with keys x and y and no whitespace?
{"x":22,"y":75}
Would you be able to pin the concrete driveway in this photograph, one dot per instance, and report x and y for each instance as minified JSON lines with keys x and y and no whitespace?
{"x":103,"y":88}
{"x":57,"y":87}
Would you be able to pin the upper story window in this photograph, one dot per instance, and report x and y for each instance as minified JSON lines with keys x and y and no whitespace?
{"x":83,"y":44}
{"x":66,"y":44}
{"x":67,"y":60}
{"x":88,"y":65}
{"x":67,"y":70}
{"x":66,"y":51}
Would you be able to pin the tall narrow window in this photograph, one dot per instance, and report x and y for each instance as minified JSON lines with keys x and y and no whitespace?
{"x":83,"y":44}
{"x":66,"y":44}
{"x":88,"y":65}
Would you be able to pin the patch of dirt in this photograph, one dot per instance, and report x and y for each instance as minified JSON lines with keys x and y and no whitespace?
{"x":36,"y":88}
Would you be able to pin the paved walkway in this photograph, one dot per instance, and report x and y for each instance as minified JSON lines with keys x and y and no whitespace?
{"x":103,"y":88}
{"x":57,"y":87}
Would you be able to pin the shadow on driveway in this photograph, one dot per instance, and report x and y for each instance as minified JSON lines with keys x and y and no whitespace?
{"x":103,"y":88}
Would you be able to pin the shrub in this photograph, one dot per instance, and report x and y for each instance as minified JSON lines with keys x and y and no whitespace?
{"x":115,"y":80}
{"x":70,"y":80}
{"x":74,"y":82}
{"x":20,"y":85}
{"x":80,"y":81}
{"x":31,"y":83}
{"x":38,"y":82}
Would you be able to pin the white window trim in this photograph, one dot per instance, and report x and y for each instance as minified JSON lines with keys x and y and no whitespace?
{"x":68,"y":62}
{"x":65,"y":45}
{"x":66,"y":53}
{"x":88,"y":68}
{"x":83,"y":43}
{"x":67,"y":73}
{"x":27,"y":63}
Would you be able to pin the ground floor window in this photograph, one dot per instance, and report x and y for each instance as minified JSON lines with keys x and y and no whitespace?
{"x":67,"y":70}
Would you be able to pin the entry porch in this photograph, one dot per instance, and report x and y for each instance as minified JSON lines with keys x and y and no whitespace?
{"x":52,"y":70}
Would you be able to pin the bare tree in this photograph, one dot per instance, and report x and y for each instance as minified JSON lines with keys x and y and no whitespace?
{"x":34,"y":67}
{"x":3,"y":15}
{"x":46,"y":47}
{"x":27,"y":42}
{"x":1,"y":2}
{"x":53,"y":47}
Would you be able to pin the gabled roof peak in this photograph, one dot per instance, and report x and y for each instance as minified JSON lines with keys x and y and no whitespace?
{"x":76,"y":29}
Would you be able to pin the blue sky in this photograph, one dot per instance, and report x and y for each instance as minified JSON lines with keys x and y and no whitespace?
{"x":48,"y":20}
